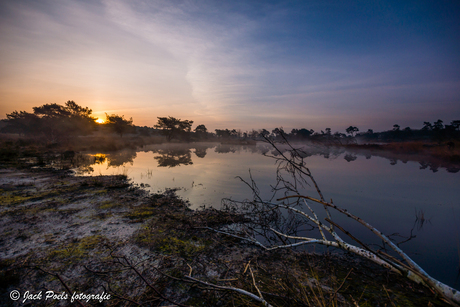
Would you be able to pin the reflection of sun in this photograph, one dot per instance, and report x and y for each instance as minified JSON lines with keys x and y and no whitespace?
{"x":99,"y":158}
{"x":100,"y":121}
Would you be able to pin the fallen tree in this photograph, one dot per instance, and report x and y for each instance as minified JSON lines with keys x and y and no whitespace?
{"x":290,"y":221}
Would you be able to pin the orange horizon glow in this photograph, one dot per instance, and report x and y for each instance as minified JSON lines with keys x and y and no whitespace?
{"x":100,"y":121}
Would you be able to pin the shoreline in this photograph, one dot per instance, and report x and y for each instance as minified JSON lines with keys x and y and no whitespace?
{"x":98,"y":231}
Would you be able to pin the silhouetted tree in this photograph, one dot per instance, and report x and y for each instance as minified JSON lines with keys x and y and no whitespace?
{"x":438,"y":125}
{"x":264,"y":133}
{"x":55,"y":122}
{"x":119,"y":124}
{"x":352,"y":130}
{"x":253,"y":134}
{"x":223,"y":133}
{"x":201,"y":131}
{"x":455,"y":124}
{"x":277,"y":132}
{"x":22,"y":122}
{"x":301,"y":133}
{"x":144,"y":131}
{"x":51,"y":110}
{"x":80,"y":118}
{"x":427,"y":126}
{"x":438,"y":130}
{"x":173,"y":127}
{"x":305,"y":133}
{"x":76,"y":110}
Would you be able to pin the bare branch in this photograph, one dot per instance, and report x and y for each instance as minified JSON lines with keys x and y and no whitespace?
{"x":280,"y":221}
{"x":241,"y":291}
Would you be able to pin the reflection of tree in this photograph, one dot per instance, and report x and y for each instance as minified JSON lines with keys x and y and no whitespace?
{"x":100,"y":158}
{"x":350,"y":158}
{"x":223,"y":148}
{"x":453,"y":169}
{"x":305,"y":151}
{"x":200,"y":152}
{"x":433,"y":166}
{"x":83,"y":163}
{"x":173,"y":157}
{"x":121,"y":157}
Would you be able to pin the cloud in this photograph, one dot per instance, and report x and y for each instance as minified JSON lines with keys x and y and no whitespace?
{"x":220,"y":62}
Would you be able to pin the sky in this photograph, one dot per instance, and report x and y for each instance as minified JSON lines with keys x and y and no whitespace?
{"x":236,"y":64}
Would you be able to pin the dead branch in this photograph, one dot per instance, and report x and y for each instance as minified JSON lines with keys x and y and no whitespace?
{"x":128,"y":264}
{"x":241,"y":291}
{"x":268,"y":223}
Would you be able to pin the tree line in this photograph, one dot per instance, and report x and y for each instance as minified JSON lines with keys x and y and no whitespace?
{"x":57,"y":123}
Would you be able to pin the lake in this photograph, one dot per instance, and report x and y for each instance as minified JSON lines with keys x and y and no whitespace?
{"x":389,"y":193}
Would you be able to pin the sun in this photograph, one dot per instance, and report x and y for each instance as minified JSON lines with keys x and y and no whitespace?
{"x":100,"y":121}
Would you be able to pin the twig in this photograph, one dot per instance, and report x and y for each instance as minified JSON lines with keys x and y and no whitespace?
{"x":341,"y":285}
{"x":241,"y":291}
{"x":151,"y":286}
{"x":386,"y":291}
{"x":121,"y":297}
{"x":255,"y":285}
{"x":62,"y":282}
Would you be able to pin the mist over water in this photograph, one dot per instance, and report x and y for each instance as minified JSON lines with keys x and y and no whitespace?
{"x":400,"y":196}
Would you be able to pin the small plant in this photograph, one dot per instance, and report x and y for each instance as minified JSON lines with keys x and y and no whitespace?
{"x":420,"y":219}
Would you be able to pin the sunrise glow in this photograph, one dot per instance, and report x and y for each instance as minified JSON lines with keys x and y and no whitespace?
{"x":100,"y":121}
{"x":242,"y":64}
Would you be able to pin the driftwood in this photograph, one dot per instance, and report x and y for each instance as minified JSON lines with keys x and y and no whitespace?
{"x":277,"y":224}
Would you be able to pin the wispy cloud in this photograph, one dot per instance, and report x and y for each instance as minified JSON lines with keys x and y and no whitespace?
{"x":246,"y":62}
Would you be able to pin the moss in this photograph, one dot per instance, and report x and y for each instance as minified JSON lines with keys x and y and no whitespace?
{"x":68,"y":211}
{"x":109,"y":205}
{"x":103,"y":215}
{"x":140,"y":214}
{"x":23,"y":195}
{"x":102,"y":191}
{"x":33,"y":209}
{"x":75,"y":251}
{"x":10,"y":198}
{"x":185,"y":248}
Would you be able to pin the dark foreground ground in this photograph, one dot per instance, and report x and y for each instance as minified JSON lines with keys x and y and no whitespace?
{"x":103,"y":236}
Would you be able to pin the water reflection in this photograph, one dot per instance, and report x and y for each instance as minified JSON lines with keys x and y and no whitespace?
{"x":382,"y":187}
{"x":200,"y":152}
{"x":121,"y":157}
{"x":84,"y":163}
{"x":173,"y":157}
{"x":427,"y":162}
{"x":226,"y":148}
{"x":350,"y":157}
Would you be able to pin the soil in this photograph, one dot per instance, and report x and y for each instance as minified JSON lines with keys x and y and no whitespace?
{"x":105,"y":236}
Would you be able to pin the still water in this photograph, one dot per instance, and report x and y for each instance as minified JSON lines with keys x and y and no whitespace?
{"x":386,"y":192}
